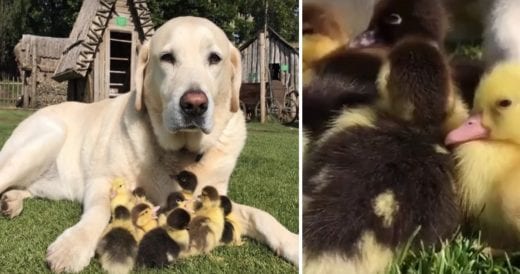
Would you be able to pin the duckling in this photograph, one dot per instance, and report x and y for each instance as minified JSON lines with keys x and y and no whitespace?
{"x":395,"y":19}
{"x":174,"y":200}
{"x":118,"y":247}
{"x":347,"y":77}
{"x":188,"y":182}
{"x":144,"y":218}
{"x":162,"y":245}
{"x":382,"y":174}
{"x":488,"y":157}
{"x":232,"y":233}
{"x":322,"y":34}
{"x":207,"y":226}
{"x":140,"y":196}
{"x":121,"y":195}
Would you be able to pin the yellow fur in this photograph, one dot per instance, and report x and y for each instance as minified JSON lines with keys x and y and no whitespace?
{"x":457,"y":111}
{"x":385,"y":206}
{"x":237,"y":233}
{"x":373,"y":259}
{"x":315,"y":47}
{"x":145,"y":222}
{"x":488,"y":169}
{"x":181,"y":237}
{"x":215,"y":224}
{"x":363,"y":117}
{"x":123,"y":195}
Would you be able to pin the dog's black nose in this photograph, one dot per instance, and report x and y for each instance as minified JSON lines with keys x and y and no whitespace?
{"x":194,"y":102}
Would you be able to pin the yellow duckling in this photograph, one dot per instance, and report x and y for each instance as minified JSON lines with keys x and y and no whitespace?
{"x":120,"y":195}
{"x":207,"y":226}
{"x":144,"y":219}
{"x":232,"y":234}
{"x":322,"y":34}
{"x":488,"y":156}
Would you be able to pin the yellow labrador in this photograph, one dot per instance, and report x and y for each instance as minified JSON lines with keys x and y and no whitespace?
{"x":185,"y":105}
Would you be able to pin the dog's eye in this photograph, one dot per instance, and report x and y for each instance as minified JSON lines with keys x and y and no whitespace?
{"x":214,"y":59}
{"x":168,"y":57}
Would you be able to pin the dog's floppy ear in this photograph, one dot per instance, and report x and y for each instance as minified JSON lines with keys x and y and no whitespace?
{"x":236,"y":79}
{"x":142,"y":61}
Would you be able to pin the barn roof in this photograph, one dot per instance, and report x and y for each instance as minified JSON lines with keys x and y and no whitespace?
{"x":272,"y":33}
{"x":41,"y":46}
{"x":87,"y":34}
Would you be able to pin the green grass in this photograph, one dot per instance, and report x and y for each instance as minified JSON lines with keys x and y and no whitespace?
{"x":460,"y":255}
{"x":266,"y":177}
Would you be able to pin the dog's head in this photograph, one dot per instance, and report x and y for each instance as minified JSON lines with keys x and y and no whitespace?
{"x":188,"y":71}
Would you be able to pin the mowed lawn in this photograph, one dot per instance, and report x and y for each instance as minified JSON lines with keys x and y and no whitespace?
{"x":266,"y":177}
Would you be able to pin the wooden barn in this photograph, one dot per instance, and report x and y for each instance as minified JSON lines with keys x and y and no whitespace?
{"x":99,"y":61}
{"x":37,"y":58}
{"x":281,"y":60}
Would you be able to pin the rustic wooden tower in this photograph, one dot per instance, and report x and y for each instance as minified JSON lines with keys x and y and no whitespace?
{"x":99,"y":61}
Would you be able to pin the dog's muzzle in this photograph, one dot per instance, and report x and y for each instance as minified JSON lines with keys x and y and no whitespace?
{"x":194,"y":106}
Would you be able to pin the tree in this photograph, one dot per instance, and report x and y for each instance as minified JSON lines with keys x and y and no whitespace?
{"x":40,"y":17}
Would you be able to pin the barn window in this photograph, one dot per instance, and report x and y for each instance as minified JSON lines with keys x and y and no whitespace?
{"x":120,"y":62}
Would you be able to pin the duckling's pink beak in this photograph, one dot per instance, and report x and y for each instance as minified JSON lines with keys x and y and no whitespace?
{"x":154,"y":212}
{"x":471,"y":129}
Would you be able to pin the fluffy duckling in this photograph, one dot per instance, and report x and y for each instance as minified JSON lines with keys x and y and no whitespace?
{"x":380,"y":175}
{"x":118,"y":247}
{"x":161,"y":246}
{"x":174,"y":200}
{"x":347,"y":77}
{"x":488,"y":158}
{"x":140,"y":196}
{"x":322,"y":34}
{"x":144,"y":218}
{"x":395,"y":19}
{"x":121,"y":195}
{"x":232,"y":233}
{"x":207,"y":226}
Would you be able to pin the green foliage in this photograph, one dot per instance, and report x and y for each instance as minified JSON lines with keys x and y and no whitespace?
{"x":463,"y":254}
{"x":240,"y":19}
{"x":40,"y":17}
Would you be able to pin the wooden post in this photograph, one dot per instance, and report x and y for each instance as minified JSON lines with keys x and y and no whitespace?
{"x":262,"y":76}
{"x":25,"y":92}
{"x":34,"y":75}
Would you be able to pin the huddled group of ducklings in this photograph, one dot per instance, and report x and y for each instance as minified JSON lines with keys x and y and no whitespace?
{"x":394,"y":155}
{"x":144,"y":235}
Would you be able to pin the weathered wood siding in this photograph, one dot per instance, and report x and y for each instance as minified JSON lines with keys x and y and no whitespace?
{"x":277,"y":52}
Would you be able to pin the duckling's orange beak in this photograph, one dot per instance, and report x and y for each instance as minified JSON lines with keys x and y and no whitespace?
{"x":471,"y":129}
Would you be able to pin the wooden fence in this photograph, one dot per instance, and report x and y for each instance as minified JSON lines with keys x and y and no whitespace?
{"x":11,"y":91}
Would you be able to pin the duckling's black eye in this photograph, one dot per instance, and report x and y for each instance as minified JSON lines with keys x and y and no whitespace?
{"x":504,"y":103}
{"x":393,"y":19}
{"x":214,"y":59}
{"x":168,"y":57}
{"x":178,"y":200}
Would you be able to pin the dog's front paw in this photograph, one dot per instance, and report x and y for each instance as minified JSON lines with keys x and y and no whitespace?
{"x":289,"y":249}
{"x":71,"y":252}
{"x":11,"y":203}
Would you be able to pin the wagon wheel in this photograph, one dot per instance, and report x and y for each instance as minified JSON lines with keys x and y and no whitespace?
{"x":273,"y":113}
{"x":289,"y":113}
